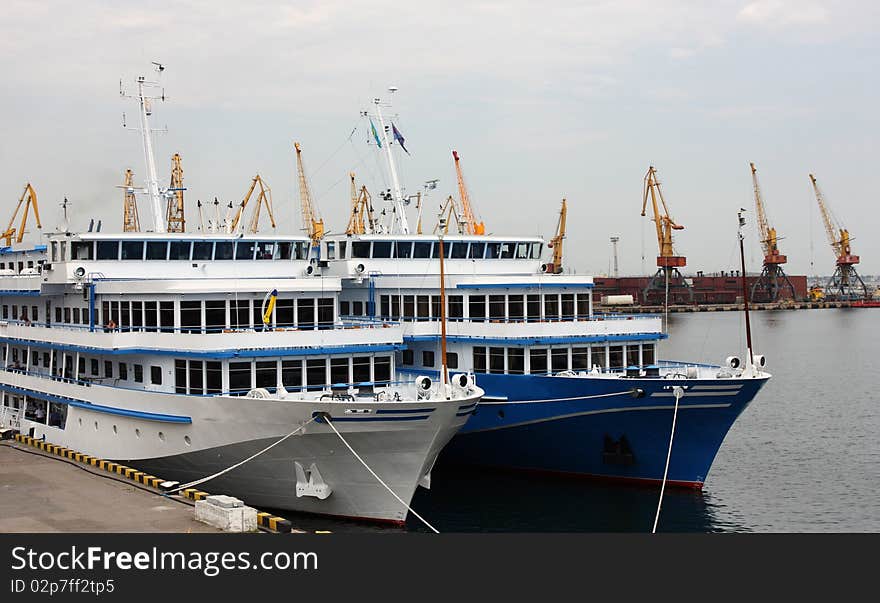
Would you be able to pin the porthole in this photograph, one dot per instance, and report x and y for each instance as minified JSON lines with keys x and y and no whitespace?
{"x":96,"y":426}
{"x":80,"y":421}
{"x":187,"y":441}
{"x":137,"y":433}
{"x":500,"y":414}
{"x":114,"y":430}
{"x":161,"y":436}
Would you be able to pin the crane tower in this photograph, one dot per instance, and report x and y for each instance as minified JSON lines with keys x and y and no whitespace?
{"x":773,"y":281}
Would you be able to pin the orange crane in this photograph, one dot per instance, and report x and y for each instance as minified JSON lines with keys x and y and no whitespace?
{"x":263,"y":198}
{"x":362,"y":219}
{"x":469,"y":220}
{"x":28,"y":198}
{"x":555,"y":267}
{"x":668,"y":276}
{"x":130,"y":220}
{"x":174,"y":219}
{"x":312,"y":223}
{"x":768,"y":287}
{"x":845,"y":283}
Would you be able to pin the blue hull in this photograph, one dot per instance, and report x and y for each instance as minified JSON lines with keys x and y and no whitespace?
{"x":561,"y":425}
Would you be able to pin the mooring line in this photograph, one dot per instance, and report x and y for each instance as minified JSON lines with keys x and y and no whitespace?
{"x":678,"y":392}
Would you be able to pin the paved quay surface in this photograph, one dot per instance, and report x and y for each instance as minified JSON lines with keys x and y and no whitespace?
{"x":46,"y":494}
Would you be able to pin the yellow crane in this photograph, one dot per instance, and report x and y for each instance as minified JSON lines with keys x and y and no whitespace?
{"x":450,"y":212}
{"x":174,"y":218}
{"x":312,"y":222}
{"x":845,"y":283}
{"x":264,"y":198}
{"x":362,"y":219}
{"x":556,"y":242}
{"x":28,"y":198}
{"x":668,"y":262}
{"x":469,"y":220}
{"x":768,"y":287}
{"x":130,"y":220}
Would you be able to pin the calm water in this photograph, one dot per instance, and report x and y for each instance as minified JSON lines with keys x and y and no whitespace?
{"x":804,"y":457}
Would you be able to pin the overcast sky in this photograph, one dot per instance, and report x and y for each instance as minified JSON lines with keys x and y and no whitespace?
{"x":541,"y":100}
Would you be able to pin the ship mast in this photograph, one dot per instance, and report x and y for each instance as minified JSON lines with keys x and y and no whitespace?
{"x":398,"y":206}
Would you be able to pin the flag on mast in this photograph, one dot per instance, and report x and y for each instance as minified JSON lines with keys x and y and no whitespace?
{"x":375,"y":134}
{"x":398,"y":136}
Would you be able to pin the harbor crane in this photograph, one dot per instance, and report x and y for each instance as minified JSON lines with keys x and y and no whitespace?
{"x":555,"y":243}
{"x":769,"y":287}
{"x":312,"y":222}
{"x":130,"y":220}
{"x":28,"y":198}
{"x":174,"y":218}
{"x":668,"y":277}
{"x":264,"y":198}
{"x":468,"y":220}
{"x":362,"y":219}
{"x":449,"y":212}
{"x":845,"y":283}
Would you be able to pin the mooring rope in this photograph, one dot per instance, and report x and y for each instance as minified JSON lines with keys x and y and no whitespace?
{"x":379,"y":479}
{"x":239,"y":464}
{"x":678,"y":392}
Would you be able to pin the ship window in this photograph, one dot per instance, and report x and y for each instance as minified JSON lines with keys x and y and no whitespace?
{"x":360,"y":369}
{"x":108,"y":369}
{"x":213,"y":377}
{"x":306,"y":313}
{"x":108,"y":250}
{"x":507,"y":250}
{"x":360,"y":249}
{"x":81,"y":367}
{"x":460,"y":250}
{"x":302,"y":251}
{"x":339,"y":371}
{"x":166,"y":315}
{"x":384,"y":306}
{"x":522,"y":251}
{"x":536,"y":251}
{"x":382,"y":249}
{"x":456,"y":306}
{"x":325,"y":312}
{"x":408,"y":358}
{"x":258,"y":316}
{"x":156,"y":375}
{"x":54,"y":254}
{"x":66,"y":315}
{"x":452,"y":360}
{"x":477,"y":250}
{"x":157,"y":250}
{"x":493,"y":251}
{"x":57,"y":415}
{"x":266,"y":250}
{"x":132,"y":250}
{"x":423,"y":306}
{"x":551,"y":306}
{"x":515,"y":307}
{"x":496,"y":360}
{"x":179,"y":376}
{"x":447,"y":247}
{"x":409,"y":311}
{"x":632,"y":355}
{"x":267,"y":374}
{"x":538,"y":361}
{"x":285,"y":250}
{"x":427,"y":358}
{"x":124,"y":315}
{"x":203,"y":250}
{"x":615,"y":356}
{"x":239,"y":376}
{"x":403,"y":249}
{"x":244,"y":250}
{"x":223,"y":250}
{"x":568,"y":306}
{"x":45,"y":358}
{"x":179,"y":250}
{"x":583,"y":305}
{"x":190,"y":316}
{"x":82,"y":250}
{"x":240,"y":313}
{"x":196,"y":380}
{"x":357,"y":308}
{"x":292,"y":374}
{"x":496,"y":307}
{"x":5,"y":312}
{"x":580,"y":359}
{"x":647,"y":353}
{"x":477,"y":307}
{"x":395,"y":307}
{"x":215,"y":315}
{"x":123,"y":371}
{"x":138,"y":373}
{"x":559,"y":359}
{"x":422,"y":249}
{"x":382,"y":369}
{"x":316,"y":373}
{"x":516,"y":363}
{"x":94,"y":367}
{"x":284,"y":313}
{"x":598,"y":356}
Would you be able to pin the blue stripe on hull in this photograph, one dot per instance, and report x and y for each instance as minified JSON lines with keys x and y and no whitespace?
{"x":569,"y":431}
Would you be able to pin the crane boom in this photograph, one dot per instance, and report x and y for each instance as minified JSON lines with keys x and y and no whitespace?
{"x":763,"y":227}
{"x":312,"y":223}
{"x":130,"y":220}
{"x":663,"y":222}
{"x":556,"y":242}
{"x":174,"y":218}
{"x":835,"y":234}
{"x":263,"y":198}
{"x":28,"y":198}
{"x":471,"y":225}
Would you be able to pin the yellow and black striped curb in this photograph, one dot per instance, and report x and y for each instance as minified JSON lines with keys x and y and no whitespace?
{"x":266,"y":520}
